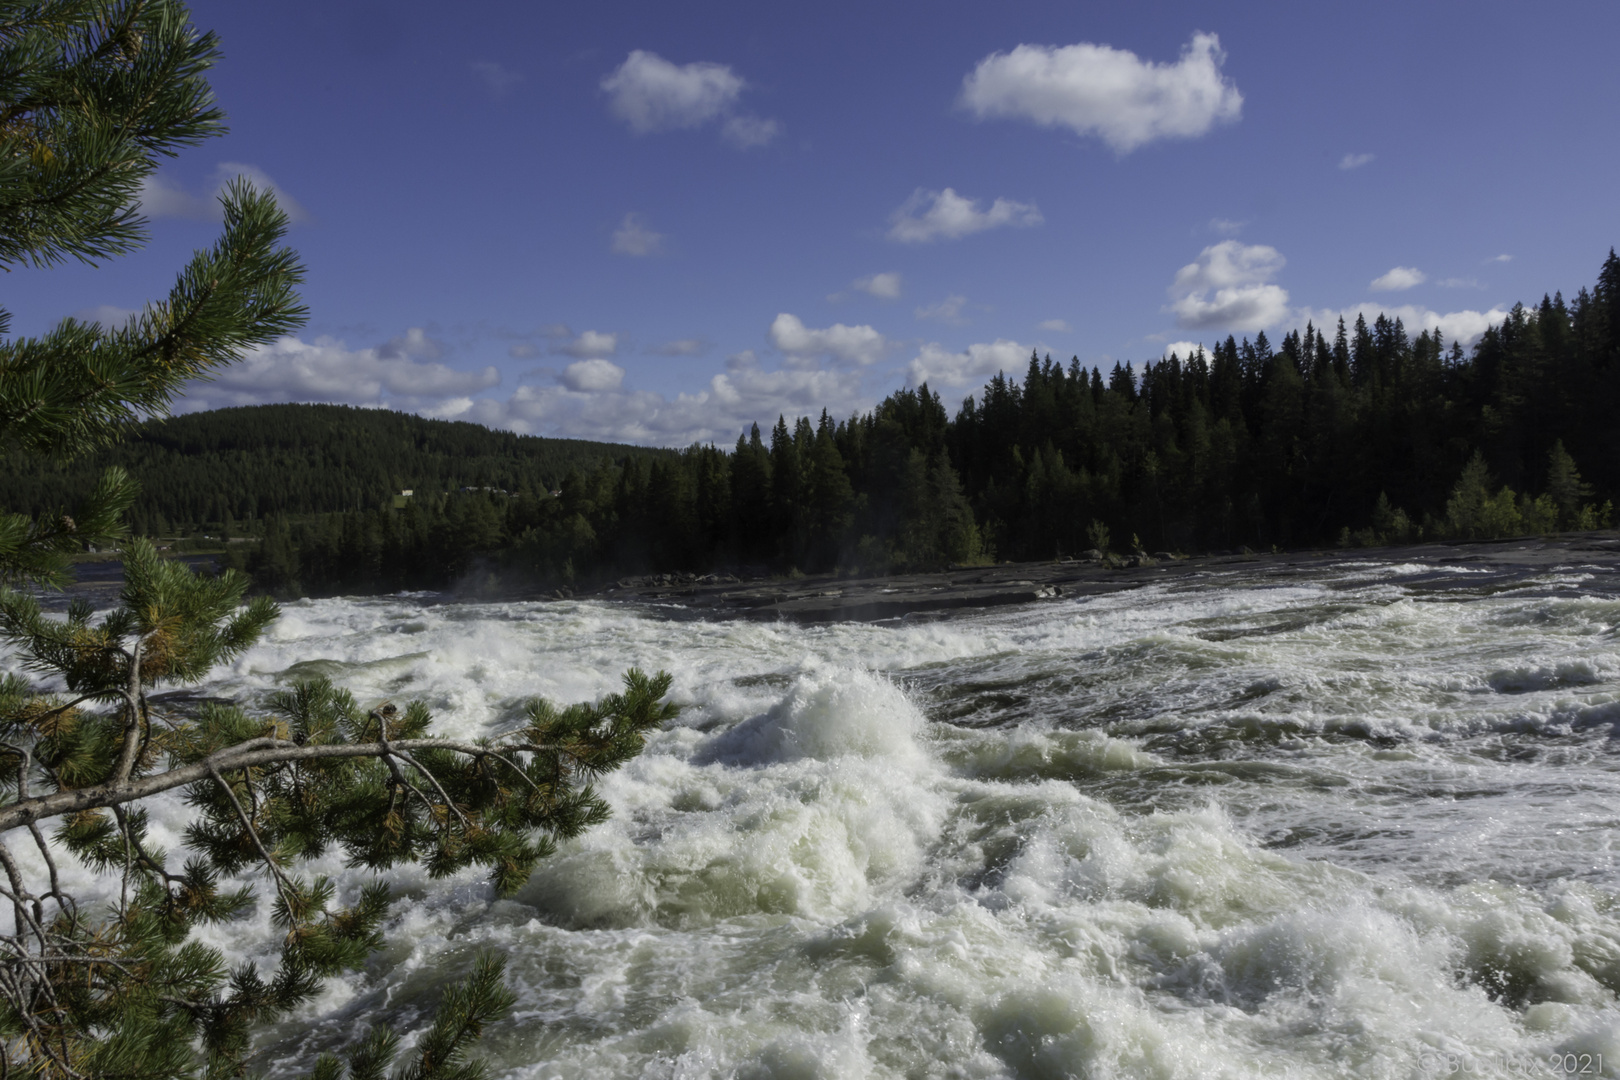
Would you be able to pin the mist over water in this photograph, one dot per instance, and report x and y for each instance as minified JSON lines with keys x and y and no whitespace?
{"x":1324,"y":825}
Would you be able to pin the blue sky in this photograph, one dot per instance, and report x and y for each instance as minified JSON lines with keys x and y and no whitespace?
{"x":659,"y":222}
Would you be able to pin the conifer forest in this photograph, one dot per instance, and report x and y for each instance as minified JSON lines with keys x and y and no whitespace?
{"x":1345,"y":435}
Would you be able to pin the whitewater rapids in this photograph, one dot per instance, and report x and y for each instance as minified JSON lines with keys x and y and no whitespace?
{"x":1331,"y":826}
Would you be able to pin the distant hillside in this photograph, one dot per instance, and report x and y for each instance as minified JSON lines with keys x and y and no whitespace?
{"x":234,"y":465}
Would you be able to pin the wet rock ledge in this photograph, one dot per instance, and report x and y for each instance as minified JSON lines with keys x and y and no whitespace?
{"x":827,"y":598}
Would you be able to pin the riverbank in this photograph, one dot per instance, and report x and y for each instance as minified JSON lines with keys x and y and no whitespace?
{"x":823,"y":598}
{"x":1496,"y":564}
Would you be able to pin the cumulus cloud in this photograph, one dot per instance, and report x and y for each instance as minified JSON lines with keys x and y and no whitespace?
{"x":497,"y":79}
{"x":885,"y":286}
{"x":1226,"y":226}
{"x":1499,"y":259}
{"x":589,"y":398}
{"x":948,"y":311}
{"x":1055,"y":326}
{"x":413,"y":344}
{"x":632,"y":237}
{"x":742,"y":395}
{"x":1107,"y":92}
{"x":1355,"y":161}
{"x":804,"y":347}
{"x":1464,"y":326}
{"x":938,"y":366}
{"x":592,"y":376}
{"x":1229,"y":287}
{"x":934,"y":215}
{"x":162,"y":197}
{"x":651,"y":94}
{"x":592,"y":344}
{"x":397,"y":374}
{"x":523,"y":350}
{"x":1401,"y":277}
{"x":1183,"y":349}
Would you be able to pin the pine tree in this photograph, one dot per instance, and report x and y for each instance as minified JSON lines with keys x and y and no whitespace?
{"x":126,"y":991}
{"x":92,"y":93}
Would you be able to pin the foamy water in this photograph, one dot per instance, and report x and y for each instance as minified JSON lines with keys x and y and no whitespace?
{"x":1327,"y":827}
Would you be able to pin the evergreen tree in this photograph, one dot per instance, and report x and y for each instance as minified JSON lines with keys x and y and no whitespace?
{"x":92,"y":92}
{"x":751,"y":497}
{"x":91,"y":95}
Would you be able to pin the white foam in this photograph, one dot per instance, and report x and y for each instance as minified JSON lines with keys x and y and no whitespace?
{"x":805,"y":877}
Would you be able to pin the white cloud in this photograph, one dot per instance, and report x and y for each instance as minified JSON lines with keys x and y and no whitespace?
{"x":948,"y":310}
{"x":742,"y":395}
{"x":162,"y":197}
{"x":1251,"y":307}
{"x":651,"y":94}
{"x":938,"y":366}
{"x":592,"y":376}
{"x":747,"y":132}
{"x":523,"y":350}
{"x":590,"y":345}
{"x":1500,"y":259}
{"x":326,"y":370}
{"x":632,"y":237}
{"x":230,"y":170}
{"x":587,"y":399}
{"x":413,"y":344}
{"x":497,"y":79}
{"x":885,"y":286}
{"x":932,"y":215}
{"x":1355,"y":161}
{"x":1183,"y":349}
{"x":1401,"y":277}
{"x":1229,"y":287}
{"x":1226,"y":226}
{"x":1227,"y":264}
{"x":802,"y":346}
{"x":1107,"y":92}
{"x":1055,"y":326}
{"x":1465,"y":326}
{"x":1460,"y":283}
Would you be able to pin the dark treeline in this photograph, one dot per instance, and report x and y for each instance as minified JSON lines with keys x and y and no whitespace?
{"x":229,"y":469}
{"x":1319,"y":439}
{"x":1355,"y":435}
{"x":1359,"y":435}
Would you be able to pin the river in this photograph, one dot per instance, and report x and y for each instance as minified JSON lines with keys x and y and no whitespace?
{"x":1324,"y":824}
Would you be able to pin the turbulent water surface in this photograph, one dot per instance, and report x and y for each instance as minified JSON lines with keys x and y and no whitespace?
{"x":1313,"y":825}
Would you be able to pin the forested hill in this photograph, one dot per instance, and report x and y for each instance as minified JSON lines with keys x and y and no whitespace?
{"x":1358,"y":434}
{"x":234,"y":466}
